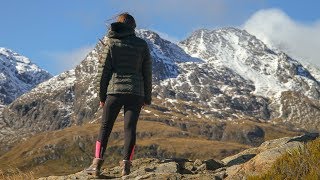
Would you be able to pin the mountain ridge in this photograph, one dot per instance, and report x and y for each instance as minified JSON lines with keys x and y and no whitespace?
{"x":18,"y":75}
{"x":198,"y":93}
{"x":180,"y":72}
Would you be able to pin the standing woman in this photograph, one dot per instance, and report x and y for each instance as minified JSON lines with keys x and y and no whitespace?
{"x":125,"y":77}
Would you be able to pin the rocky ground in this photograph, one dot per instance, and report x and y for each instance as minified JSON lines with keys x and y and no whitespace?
{"x":252,"y":161}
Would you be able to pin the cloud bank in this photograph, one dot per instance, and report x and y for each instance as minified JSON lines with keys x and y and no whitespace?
{"x":278,"y":30}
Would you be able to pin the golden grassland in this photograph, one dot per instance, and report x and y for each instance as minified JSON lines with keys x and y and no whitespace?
{"x":71,"y":149}
{"x":271,"y":131}
{"x":35,"y":154}
{"x":16,"y":174}
{"x":71,"y":158}
{"x":303,"y":163}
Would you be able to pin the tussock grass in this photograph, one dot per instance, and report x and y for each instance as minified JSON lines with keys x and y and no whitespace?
{"x":59,"y":152}
{"x":16,"y":174}
{"x":302,"y":163}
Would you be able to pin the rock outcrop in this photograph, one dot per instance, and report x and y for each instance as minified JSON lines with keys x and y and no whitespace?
{"x":258,"y":160}
{"x":252,"y":161}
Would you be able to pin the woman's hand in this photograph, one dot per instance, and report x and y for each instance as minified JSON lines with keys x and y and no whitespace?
{"x":101,"y":104}
{"x":144,"y":105}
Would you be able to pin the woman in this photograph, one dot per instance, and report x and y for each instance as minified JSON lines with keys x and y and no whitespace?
{"x":125,"y":75}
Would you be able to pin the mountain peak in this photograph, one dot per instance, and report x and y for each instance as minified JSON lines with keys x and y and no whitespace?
{"x":227,"y":73}
{"x":223,"y":29}
{"x":147,"y":33}
{"x":18,"y":75}
{"x":236,"y":49}
{"x":203,"y":42}
{"x":11,"y":55}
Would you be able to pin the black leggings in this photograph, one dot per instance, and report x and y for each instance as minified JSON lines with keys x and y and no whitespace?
{"x":132,"y":107}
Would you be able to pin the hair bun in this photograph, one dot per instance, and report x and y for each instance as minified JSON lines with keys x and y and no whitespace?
{"x":126,"y":18}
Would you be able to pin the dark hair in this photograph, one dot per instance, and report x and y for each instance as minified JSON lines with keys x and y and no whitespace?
{"x":126,"y":18}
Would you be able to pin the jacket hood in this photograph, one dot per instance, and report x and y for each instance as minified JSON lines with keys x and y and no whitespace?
{"x":119,"y":30}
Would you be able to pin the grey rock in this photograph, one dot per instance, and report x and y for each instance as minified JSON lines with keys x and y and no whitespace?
{"x":189,"y":166}
{"x":202,"y":167}
{"x":197,"y":162}
{"x":212,"y":164}
{"x":259,"y":160}
{"x":170,"y":167}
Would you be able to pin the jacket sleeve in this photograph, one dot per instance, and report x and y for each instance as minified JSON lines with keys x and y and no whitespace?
{"x":147,"y":75}
{"x":104,"y":72}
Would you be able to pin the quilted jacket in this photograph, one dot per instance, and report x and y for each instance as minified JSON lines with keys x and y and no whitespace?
{"x":125,"y":64}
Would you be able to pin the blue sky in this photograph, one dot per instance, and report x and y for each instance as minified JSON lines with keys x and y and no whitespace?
{"x":56,"y":34}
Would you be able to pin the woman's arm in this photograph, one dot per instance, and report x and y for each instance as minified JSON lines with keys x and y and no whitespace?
{"x":104,"y":72}
{"x":147,"y":76}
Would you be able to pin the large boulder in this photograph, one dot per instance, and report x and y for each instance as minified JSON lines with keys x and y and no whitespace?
{"x":258,"y":160}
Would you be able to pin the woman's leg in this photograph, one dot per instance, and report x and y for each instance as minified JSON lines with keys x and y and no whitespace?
{"x":132,"y":108}
{"x":111,"y":110}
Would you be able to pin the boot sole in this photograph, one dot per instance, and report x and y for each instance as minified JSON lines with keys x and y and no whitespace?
{"x":92,"y":174}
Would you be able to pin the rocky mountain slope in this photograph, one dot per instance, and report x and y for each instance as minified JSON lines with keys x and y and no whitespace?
{"x":71,"y":97}
{"x":18,"y":75}
{"x":313,"y":69}
{"x":253,"y":161}
{"x":220,"y":74}
{"x":264,"y":74}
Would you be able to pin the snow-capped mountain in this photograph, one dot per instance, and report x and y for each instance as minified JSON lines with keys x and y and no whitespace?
{"x":271,"y":74}
{"x":71,"y":97}
{"x":166,"y":55}
{"x":18,"y":75}
{"x":218,"y":75}
{"x":313,"y":69}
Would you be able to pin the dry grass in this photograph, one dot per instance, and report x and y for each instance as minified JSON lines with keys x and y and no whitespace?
{"x":271,"y":131}
{"x":36,"y":153}
{"x":58,"y":152}
{"x":303,"y":163}
{"x":195,"y":148}
{"x":16,"y":174}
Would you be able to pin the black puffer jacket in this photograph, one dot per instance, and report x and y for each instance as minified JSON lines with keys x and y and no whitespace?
{"x":125,"y":65}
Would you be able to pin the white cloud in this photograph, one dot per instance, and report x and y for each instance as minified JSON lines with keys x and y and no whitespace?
{"x":68,"y":60}
{"x":278,"y":30}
